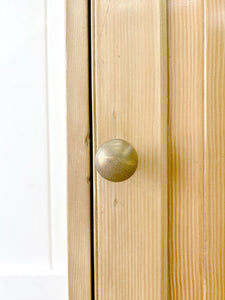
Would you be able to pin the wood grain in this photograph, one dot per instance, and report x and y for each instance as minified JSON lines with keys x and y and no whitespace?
{"x":78,"y":151}
{"x":130,"y":102}
{"x":215,"y":148}
{"x":186,"y":148}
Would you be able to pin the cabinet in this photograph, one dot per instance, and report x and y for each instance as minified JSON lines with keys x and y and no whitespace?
{"x":152,"y":73}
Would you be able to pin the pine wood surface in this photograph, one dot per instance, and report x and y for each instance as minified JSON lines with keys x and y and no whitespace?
{"x":130,"y":102}
{"x":196,"y":148}
{"x":78,"y":151}
{"x":215,"y":149}
{"x":186,"y":148}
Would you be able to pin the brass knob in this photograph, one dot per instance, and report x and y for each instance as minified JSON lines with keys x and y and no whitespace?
{"x":116,"y":160}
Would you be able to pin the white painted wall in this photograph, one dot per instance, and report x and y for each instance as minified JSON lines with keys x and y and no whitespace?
{"x":33,"y":260}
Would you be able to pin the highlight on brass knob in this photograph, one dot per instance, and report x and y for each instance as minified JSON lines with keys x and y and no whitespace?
{"x":116,"y":160}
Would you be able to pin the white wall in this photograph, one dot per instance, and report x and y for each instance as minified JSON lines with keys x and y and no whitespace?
{"x":33,"y":261}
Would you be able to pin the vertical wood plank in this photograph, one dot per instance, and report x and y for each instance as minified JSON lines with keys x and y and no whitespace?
{"x":186,"y":148}
{"x":79,"y":227}
{"x":130,"y":102}
{"x":215,"y":149}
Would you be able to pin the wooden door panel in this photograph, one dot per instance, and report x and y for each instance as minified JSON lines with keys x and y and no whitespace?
{"x":196,"y":149}
{"x":130,"y":102}
{"x":215,"y":149}
{"x":186,"y":148}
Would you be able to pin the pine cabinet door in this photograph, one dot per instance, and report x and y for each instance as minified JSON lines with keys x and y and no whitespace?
{"x":150,"y":73}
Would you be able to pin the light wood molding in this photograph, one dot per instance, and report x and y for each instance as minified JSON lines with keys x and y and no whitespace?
{"x":130,"y":102}
{"x":78,"y":151}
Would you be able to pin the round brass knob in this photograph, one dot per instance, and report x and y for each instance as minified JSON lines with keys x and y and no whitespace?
{"x":116,"y":160}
